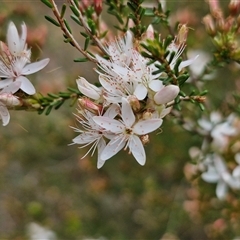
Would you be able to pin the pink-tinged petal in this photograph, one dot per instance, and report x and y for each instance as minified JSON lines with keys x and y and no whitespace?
{"x":113,"y":147}
{"x":186,"y":63}
{"x":165,"y":112}
{"x":127,"y":113}
{"x":147,"y":126}
{"x":35,"y":67}
{"x":101,"y":146}
{"x":109,"y":124}
{"x":4,"y":83}
{"x":26,"y":85}
{"x":140,"y":92}
{"x":137,"y":149}
{"x":221,"y":190}
{"x":156,"y":85}
{"x":166,"y":94}
{"x":11,"y":88}
{"x":12,"y":38}
{"x":5,"y":116}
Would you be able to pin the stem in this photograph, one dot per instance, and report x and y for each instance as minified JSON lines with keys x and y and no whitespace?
{"x":68,"y":34}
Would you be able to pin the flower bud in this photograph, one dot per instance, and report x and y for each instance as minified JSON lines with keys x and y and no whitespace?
{"x":88,"y":89}
{"x":234,"y":7}
{"x":166,"y":94}
{"x":209,"y":25}
{"x":90,"y":106}
{"x":134,"y":102}
{"x":98,"y":6}
{"x":10,"y":100}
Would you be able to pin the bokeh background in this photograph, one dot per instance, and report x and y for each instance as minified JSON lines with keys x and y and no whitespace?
{"x":46,"y":187}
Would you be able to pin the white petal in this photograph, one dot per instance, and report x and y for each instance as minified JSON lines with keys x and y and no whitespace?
{"x":221,"y":190}
{"x":147,"y":126}
{"x":156,"y":85}
{"x":187,"y":63}
{"x":112,"y":111}
{"x":22,"y":40}
{"x":35,"y":67}
{"x":109,"y":124}
{"x":11,"y":88}
{"x":88,"y":89}
{"x":210,"y":176}
{"x":137,"y":149}
{"x":113,"y":147}
{"x":101,"y":146}
{"x":26,"y":85}
{"x":12,"y":38}
{"x":85,"y":137}
{"x":140,"y":92}
{"x":4,"y":83}
{"x":4,"y":114}
{"x":127,"y":113}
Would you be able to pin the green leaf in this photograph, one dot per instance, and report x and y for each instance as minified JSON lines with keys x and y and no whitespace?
{"x":53,"y":21}
{"x":80,"y":60}
{"x":47,"y":3}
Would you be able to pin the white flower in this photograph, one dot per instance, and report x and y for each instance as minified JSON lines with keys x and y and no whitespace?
{"x":7,"y":99}
{"x":127,"y":133}
{"x":220,"y":129}
{"x":92,"y":133}
{"x":36,"y":231}
{"x":14,"y":59}
{"x":217,"y":172}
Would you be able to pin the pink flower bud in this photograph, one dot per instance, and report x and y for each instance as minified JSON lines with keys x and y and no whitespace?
{"x":234,"y":7}
{"x":98,"y":6}
{"x":166,"y":94}
{"x":90,"y":106}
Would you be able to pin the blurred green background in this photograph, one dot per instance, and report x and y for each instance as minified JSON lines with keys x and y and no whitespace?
{"x":45,"y":181}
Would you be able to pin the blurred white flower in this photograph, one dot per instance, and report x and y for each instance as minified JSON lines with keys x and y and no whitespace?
{"x":38,"y":232}
{"x":14,"y":61}
{"x":217,"y":172}
{"x":127,"y":132}
{"x":220,"y":129}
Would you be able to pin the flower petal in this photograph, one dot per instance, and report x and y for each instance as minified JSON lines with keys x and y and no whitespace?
{"x":101,"y":146}
{"x":109,"y":124}
{"x":137,"y":149}
{"x":12,"y":87}
{"x":221,"y":190}
{"x":12,"y":38}
{"x":35,"y":67}
{"x":127,"y":113}
{"x":113,"y":147}
{"x":147,"y":126}
{"x":4,"y":114}
{"x":26,"y":85}
{"x":140,"y":91}
{"x":4,"y":83}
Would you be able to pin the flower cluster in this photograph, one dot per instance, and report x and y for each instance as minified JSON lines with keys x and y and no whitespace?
{"x":223,"y":165}
{"x":129,"y":87}
{"x":15,"y":64}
